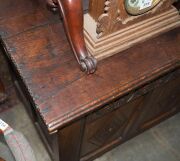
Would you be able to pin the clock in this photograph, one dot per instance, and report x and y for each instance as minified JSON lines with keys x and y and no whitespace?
{"x":136,"y":7}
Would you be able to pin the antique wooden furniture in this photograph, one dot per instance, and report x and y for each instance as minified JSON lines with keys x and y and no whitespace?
{"x":2,"y":92}
{"x":111,"y":26}
{"x":81,"y":116}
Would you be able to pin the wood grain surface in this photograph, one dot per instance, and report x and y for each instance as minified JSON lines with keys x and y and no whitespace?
{"x":34,"y":40}
{"x":2,"y":92}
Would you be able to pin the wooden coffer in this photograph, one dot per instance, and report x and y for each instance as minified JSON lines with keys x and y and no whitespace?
{"x":125,"y":117}
{"x":114,"y":123}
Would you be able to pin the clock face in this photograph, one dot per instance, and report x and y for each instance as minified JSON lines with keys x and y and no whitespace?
{"x":136,"y":7}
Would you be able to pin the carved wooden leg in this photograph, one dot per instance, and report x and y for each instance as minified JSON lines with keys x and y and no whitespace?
{"x":2,"y":93}
{"x":72,"y":13}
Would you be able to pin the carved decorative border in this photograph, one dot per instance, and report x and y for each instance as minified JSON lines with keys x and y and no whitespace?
{"x":113,"y":17}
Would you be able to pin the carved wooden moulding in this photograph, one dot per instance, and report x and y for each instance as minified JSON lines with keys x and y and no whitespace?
{"x":115,"y":25}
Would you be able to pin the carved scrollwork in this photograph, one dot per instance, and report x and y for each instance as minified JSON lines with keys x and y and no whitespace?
{"x":88,"y":64}
{"x":108,"y":21}
{"x":72,"y":14}
{"x":114,"y":16}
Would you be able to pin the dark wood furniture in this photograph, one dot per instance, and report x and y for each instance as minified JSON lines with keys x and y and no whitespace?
{"x":2,"y":92}
{"x":81,"y":116}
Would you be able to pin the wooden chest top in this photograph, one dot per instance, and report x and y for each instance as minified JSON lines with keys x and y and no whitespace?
{"x":35,"y":43}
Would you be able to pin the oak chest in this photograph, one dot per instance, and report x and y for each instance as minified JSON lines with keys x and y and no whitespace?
{"x":81,"y":116}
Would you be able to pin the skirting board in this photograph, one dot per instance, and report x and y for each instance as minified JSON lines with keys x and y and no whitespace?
{"x":125,"y":38}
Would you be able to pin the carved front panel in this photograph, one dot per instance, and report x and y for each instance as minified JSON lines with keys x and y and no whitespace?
{"x":132,"y":113}
{"x":110,"y":127}
{"x":163,"y":102}
{"x":112,"y":106}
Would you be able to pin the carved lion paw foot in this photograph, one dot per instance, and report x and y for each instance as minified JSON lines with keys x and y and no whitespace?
{"x":88,"y":64}
{"x":52,"y":5}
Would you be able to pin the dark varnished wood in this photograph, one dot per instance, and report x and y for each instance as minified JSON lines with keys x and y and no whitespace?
{"x":72,"y":13}
{"x":128,"y":116}
{"x":159,"y":102}
{"x":70,"y":140}
{"x":45,"y":55}
{"x":2,"y":92}
{"x":70,"y":107}
{"x":90,"y":91}
{"x":109,"y":127}
{"x":157,"y":106}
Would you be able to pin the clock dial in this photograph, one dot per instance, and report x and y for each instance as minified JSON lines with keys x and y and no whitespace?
{"x":136,"y":7}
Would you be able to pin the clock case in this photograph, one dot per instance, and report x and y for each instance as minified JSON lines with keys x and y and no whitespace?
{"x":107,"y":28}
